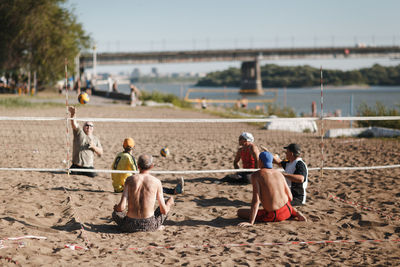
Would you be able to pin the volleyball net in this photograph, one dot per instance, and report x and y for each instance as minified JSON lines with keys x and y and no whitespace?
{"x":197,"y":146}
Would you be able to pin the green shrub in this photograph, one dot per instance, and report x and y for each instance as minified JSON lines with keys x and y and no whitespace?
{"x":285,"y":112}
{"x":14,"y":102}
{"x":379,"y":110}
{"x":164,"y":98}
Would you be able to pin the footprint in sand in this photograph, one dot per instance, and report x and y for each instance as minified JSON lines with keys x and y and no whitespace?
{"x":356,"y":216}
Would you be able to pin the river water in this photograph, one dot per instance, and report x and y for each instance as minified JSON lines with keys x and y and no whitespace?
{"x":300,"y":99}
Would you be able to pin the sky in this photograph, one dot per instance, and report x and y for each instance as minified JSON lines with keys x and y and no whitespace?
{"x":161,"y":25}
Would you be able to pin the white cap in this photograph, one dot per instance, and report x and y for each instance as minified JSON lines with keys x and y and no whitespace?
{"x":247,"y":136}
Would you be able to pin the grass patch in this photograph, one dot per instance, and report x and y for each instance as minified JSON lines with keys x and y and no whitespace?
{"x":18,"y":102}
{"x":164,"y":98}
{"x":270,"y":109}
{"x":285,"y":112}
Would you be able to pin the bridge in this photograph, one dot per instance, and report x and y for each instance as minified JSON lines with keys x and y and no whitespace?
{"x":251,"y":76}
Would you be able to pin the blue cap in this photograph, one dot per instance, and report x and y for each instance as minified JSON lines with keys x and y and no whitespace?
{"x":266,"y":159}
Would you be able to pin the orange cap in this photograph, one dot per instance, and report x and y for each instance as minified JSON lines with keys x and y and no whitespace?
{"x":129,"y":142}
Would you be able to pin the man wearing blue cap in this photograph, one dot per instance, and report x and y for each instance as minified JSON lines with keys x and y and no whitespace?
{"x":271,"y":189}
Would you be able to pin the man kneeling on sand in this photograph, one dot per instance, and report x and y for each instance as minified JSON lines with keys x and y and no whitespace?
{"x":140,"y":193}
{"x":269,"y":188}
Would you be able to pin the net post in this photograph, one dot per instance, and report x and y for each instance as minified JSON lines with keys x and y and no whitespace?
{"x":66,"y":117}
{"x":322,"y":126}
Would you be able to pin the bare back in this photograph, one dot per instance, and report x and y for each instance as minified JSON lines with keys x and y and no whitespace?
{"x":272,"y":188}
{"x":142,"y":190}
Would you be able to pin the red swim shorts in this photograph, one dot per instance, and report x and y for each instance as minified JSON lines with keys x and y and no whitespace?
{"x":282,"y":214}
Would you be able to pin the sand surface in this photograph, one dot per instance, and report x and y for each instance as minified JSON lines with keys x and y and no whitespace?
{"x":202,"y":228}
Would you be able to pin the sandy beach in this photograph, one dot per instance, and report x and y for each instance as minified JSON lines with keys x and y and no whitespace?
{"x":354,"y":213}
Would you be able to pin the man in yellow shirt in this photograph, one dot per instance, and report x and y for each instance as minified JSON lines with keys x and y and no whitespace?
{"x":126,"y":161}
{"x":123,"y":161}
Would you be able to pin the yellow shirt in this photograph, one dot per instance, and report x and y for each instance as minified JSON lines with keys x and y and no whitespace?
{"x":123,"y":161}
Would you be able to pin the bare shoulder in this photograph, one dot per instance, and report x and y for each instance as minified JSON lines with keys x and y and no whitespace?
{"x":156,"y":180}
{"x":151,"y":179}
{"x":257,"y":174}
{"x":132,"y":179}
{"x":274,"y":172}
{"x":253,"y":146}
{"x":129,"y":180}
{"x":270,"y":172}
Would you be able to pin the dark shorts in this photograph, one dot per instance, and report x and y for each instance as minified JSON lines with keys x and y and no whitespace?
{"x":296,"y":202}
{"x":169,"y":191}
{"x":90,"y":174}
{"x":281,"y":214}
{"x":239,"y":178}
{"x":131,"y":225}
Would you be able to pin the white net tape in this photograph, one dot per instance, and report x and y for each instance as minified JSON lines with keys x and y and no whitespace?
{"x":209,"y":140}
{"x":249,"y":120}
{"x":198,"y":171}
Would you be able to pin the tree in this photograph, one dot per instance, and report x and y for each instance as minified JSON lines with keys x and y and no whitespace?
{"x":38,"y":35}
{"x":306,"y":76}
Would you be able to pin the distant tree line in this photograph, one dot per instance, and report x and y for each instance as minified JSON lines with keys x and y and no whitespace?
{"x":306,"y":76}
{"x":37,"y":36}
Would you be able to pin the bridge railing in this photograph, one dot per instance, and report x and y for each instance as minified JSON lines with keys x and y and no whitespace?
{"x":248,"y":42}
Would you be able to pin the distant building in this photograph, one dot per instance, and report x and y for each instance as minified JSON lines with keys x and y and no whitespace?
{"x":135,"y":73}
{"x":190,"y":74}
{"x":154,"y":72}
{"x":103,"y":75}
{"x":176,"y":75}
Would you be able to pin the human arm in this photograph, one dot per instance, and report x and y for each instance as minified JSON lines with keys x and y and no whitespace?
{"x":299,"y":174}
{"x":124,"y":199}
{"x":137,"y":92}
{"x":164,"y":208}
{"x":255,"y":152}
{"x":72,"y":112}
{"x":236,"y":160}
{"x":255,"y":202}
{"x":287,"y":191}
{"x":96,"y":149}
{"x":277,"y":160}
{"x":295,"y":178}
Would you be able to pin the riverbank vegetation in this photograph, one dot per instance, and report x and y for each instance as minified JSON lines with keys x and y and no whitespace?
{"x":379,"y":110}
{"x":306,"y":76}
{"x":27,"y":102}
{"x":226,"y":112}
{"x":164,"y":98}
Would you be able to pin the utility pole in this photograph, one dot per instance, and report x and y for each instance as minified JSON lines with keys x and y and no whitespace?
{"x":94,"y":66}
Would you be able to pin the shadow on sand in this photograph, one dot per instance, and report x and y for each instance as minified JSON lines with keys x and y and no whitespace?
{"x":219,"y":201}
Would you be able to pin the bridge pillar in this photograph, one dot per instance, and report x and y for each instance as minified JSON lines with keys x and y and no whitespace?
{"x":251,"y":78}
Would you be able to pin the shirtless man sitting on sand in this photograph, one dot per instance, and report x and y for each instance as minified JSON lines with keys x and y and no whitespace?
{"x":140,"y":194}
{"x":269,"y":188}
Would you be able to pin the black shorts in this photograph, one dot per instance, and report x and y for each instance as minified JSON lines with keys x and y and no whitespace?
{"x":90,"y":174}
{"x":131,"y":225}
{"x":239,"y":178}
{"x":296,"y":202}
